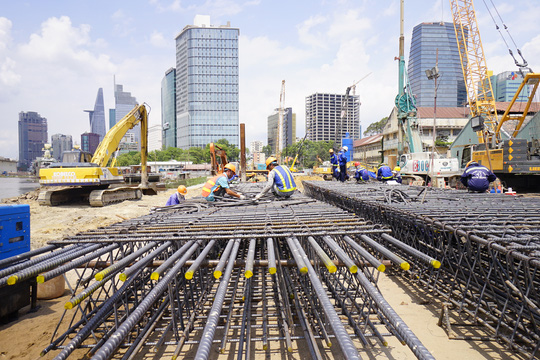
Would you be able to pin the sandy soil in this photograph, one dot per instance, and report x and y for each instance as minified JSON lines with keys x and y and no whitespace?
{"x":26,"y":337}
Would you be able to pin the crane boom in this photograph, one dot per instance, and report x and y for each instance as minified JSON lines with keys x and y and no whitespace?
{"x":475,"y":71}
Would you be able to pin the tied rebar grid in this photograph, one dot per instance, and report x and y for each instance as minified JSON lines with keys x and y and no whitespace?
{"x":188,"y":283}
{"x":488,"y":246}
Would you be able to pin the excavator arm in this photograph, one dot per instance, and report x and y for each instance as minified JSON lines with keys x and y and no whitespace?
{"x":111,"y":141}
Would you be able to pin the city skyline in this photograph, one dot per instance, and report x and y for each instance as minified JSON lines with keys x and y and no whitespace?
{"x":318,"y":47}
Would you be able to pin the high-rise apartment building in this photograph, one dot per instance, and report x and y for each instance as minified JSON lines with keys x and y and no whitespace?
{"x":428,"y":39}
{"x":89,"y":142}
{"x":288,"y":135}
{"x":61,"y":143}
{"x":154,"y":137}
{"x":506,"y":84}
{"x":112,"y":118}
{"x":124,"y":103}
{"x":168,"y":108}
{"x":32,"y":137}
{"x":206,"y":84}
{"x":97,"y":116}
{"x":324,"y":117}
{"x":255,"y":146}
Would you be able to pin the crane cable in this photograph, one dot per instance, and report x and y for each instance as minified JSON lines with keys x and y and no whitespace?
{"x":522,"y":65}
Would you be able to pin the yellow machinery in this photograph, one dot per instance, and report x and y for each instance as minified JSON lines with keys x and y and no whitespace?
{"x":85,"y":177}
{"x":506,"y":158}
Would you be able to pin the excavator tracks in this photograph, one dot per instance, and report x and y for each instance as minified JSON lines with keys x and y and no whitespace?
{"x":109,"y":196}
{"x":95,"y":196}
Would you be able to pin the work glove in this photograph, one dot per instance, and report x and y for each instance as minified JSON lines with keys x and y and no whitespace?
{"x":258,"y":196}
{"x":242,"y":197}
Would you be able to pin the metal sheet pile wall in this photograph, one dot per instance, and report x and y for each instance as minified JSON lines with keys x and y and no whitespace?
{"x":192,"y":279}
{"x":488,"y":246}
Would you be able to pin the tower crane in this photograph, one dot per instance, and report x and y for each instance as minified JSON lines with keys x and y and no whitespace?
{"x":281,"y":109}
{"x":344,"y":106}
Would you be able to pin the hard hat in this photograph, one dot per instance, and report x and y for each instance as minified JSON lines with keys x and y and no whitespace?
{"x":345,"y":148}
{"x":356,"y":164}
{"x":331,"y":150}
{"x":472,"y":162}
{"x":182,"y":190}
{"x":397,"y":168}
{"x":270,"y":160}
{"x":231,"y":167}
{"x":382,"y":164}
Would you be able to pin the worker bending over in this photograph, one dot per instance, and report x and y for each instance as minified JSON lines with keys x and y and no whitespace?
{"x":280,"y":180}
{"x":396,"y":173}
{"x":384,"y":173}
{"x":334,"y":161}
{"x":477,"y":177}
{"x":219,"y":185}
{"x":361,"y":174}
{"x":178,"y":196}
{"x":343,"y":176}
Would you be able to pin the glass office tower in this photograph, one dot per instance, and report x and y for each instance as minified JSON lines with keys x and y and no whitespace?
{"x":32,"y":137}
{"x":206,"y":84}
{"x":168,"y":108}
{"x":97,"y":116}
{"x":124,"y":103}
{"x":427,"y":39}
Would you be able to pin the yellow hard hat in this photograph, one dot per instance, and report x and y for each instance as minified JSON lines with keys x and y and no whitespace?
{"x":471,"y":163}
{"x":270,"y":160}
{"x":331,"y":150}
{"x":230,"y":167}
{"x":182,"y":190}
{"x":397,"y":168}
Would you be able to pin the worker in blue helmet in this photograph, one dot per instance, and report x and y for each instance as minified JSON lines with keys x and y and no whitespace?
{"x":342,"y":158}
{"x":384,"y":173}
{"x":477,"y":177}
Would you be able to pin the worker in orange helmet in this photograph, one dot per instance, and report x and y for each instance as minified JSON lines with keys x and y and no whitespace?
{"x":219,"y":185}
{"x":178,"y":196}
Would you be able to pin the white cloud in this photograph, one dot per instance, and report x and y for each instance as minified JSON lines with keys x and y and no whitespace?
{"x":308,"y":32}
{"x":158,"y":40}
{"x":123,"y":24}
{"x":5,"y":34}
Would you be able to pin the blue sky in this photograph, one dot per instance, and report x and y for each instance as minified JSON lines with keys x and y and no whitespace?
{"x":54,"y":55}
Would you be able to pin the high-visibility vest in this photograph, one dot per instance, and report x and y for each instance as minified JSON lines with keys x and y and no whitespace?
{"x":284,"y":179}
{"x":207,"y":188}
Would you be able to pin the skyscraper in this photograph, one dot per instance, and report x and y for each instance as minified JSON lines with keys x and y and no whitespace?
{"x":288,"y":136}
{"x":323,"y":117}
{"x":427,"y":39}
{"x":206,"y":84}
{"x":97,"y":116}
{"x":89,"y":142}
{"x":124,"y":103}
{"x":32,"y":137}
{"x":168,"y":108}
{"x":506,"y":84}
{"x":61,"y":143}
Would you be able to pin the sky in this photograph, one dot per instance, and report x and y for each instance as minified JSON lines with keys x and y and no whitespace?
{"x":56,"y":54}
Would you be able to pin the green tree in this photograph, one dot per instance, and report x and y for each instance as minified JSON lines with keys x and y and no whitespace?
{"x":267,"y":150}
{"x":130,"y":158}
{"x":376,"y":127}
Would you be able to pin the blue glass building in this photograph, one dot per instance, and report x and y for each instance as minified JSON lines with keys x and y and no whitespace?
{"x":124,"y":103}
{"x":506,"y":84}
{"x":97,"y":116}
{"x":206,"y":84}
{"x":427,"y":39}
{"x":168,"y":108}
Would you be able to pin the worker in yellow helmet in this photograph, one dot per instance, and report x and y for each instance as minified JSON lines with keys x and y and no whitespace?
{"x":178,"y":196}
{"x":335,"y":162}
{"x":219,"y":185}
{"x":280,"y":180}
{"x":396,"y":173}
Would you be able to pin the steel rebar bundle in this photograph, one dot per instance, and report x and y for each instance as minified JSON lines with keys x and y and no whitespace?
{"x":481,"y":252}
{"x":190,"y":280}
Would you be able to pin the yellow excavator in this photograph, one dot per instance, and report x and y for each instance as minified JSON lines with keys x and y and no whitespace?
{"x":83,"y":177}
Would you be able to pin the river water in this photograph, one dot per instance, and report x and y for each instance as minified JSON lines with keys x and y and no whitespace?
{"x":12,"y":186}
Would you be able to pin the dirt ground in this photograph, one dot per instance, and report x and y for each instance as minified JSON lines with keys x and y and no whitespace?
{"x":27,"y":336}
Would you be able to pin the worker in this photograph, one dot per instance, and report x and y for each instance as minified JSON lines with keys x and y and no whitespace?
{"x":334,"y":161}
{"x":280,"y":180}
{"x":342,"y":158}
{"x":361,"y":174}
{"x":219,"y":185}
{"x":396,"y":174}
{"x":178,"y":196}
{"x":477,"y":177}
{"x":384,"y":173}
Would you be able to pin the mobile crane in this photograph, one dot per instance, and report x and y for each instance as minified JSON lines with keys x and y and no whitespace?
{"x":514,"y":160}
{"x":91,"y":178}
